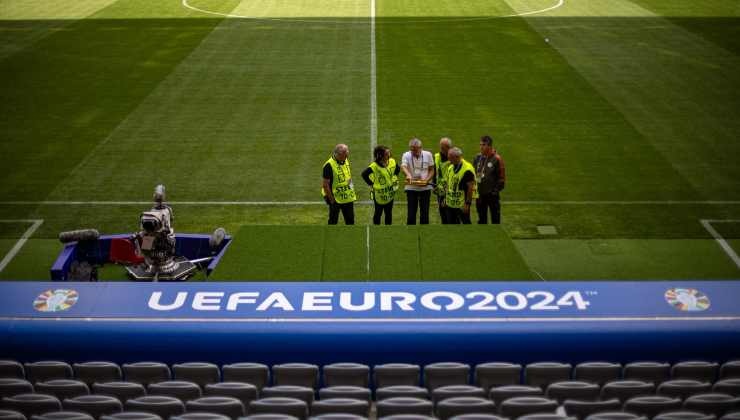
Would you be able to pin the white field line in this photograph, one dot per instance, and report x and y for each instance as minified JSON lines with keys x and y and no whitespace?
{"x":35,"y":223}
{"x":373,"y":84}
{"x":707,"y":223}
{"x":367,"y":247}
{"x":321,"y":203}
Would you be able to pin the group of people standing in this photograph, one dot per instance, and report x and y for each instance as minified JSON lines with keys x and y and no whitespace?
{"x":453,"y":180}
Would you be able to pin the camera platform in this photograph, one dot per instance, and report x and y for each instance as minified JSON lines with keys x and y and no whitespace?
{"x":179,"y":270}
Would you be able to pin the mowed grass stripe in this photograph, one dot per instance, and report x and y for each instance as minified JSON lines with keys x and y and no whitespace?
{"x":65,"y":94}
{"x":252,"y":114}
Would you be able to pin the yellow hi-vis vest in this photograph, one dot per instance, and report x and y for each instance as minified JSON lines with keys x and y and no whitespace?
{"x":385,"y":182}
{"x":341,"y":185}
{"x":454,"y":196}
{"x":440,"y":169}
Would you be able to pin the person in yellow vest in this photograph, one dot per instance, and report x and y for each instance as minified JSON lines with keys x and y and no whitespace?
{"x":337,"y":187}
{"x":460,"y":190}
{"x":440,"y":168}
{"x":382,"y":176}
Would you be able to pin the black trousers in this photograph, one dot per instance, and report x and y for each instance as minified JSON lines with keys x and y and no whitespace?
{"x":442,"y":210}
{"x":457,"y":216}
{"x":418,"y":200}
{"x":348,"y":212}
{"x":383,"y":208}
{"x":484,"y":204}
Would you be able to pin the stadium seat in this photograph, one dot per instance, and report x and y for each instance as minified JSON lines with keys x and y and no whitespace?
{"x":683,"y":388}
{"x":501,"y":393}
{"x":280,"y":405}
{"x":446,"y":373}
{"x":520,"y":406}
{"x":256,"y":374}
{"x":346,"y":391}
{"x":583,"y":409}
{"x":196,"y":372}
{"x":654,"y":372}
{"x":576,"y":390}
{"x":182,"y":390}
{"x":543,"y":374}
{"x":476,"y":416}
{"x":727,"y":386}
{"x":451,"y":407}
{"x":156,"y":404}
{"x":269,"y":416}
{"x":346,"y":374}
{"x":124,"y":391}
{"x":340,"y":405}
{"x":730,"y":369}
{"x":201,"y":416}
{"x":11,"y":369}
{"x":14,"y":386}
{"x":452,"y":391}
{"x":95,"y":405}
{"x":597,"y":372}
{"x":493,"y":374}
{"x":626,"y":389}
{"x":545,"y":416}
{"x":131,"y":415}
{"x":407,"y":417}
{"x":63,"y":415}
{"x":289,"y":391}
{"x":338,"y":416}
{"x":713,"y":403}
{"x":91,"y":372}
{"x":47,"y":370}
{"x":696,"y":370}
{"x":11,"y":415}
{"x":62,"y":388}
{"x":733,"y":415}
{"x":391,"y":374}
{"x":31,"y":404}
{"x":401,"y":391}
{"x":684,"y":415}
{"x":299,"y":374}
{"x":651,"y":405}
{"x":404,"y":405}
{"x":146,"y":373}
{"x":243,"y":392}
{"x":615,"y":415}
{"x":227,"y":406}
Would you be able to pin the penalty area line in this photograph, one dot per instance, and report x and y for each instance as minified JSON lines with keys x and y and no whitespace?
{"x":35,"y":223}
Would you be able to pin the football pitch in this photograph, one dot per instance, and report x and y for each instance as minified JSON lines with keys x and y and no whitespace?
{"x":619,"y":121}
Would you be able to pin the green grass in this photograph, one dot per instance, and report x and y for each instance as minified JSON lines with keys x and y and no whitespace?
{"x":627,"y":100}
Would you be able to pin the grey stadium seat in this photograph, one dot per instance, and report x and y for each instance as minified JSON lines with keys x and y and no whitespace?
{"x":95,"y":405}
{"x":346,"y":374}
{"x":574,"y":390}
{"x":626,"y":389}
{"x":451,"y":407}
{"x":446,"y":373}
{"x":404,"y":405}
{"x":197,"y":372}
{"x":655,"y":372}
{"x":476,"y":416}
{"x":729,"y":386}
{"x":683,"y":388}
{"x":131,"y":415}
{"x":733,"y":415}
{"x":290,"y":391}
{"x":11,"y":369}
{"x":338,"y":416}
{"x":201,"y":416}
{"x":521,"y":406}
{"x":545,"y":416}
{"x":543,"y":374}
{"x":684,"y":415}
{"x":182,"y":390}
{"x":269,"y":417}
{"x":615,"y":415}
{"x":493,"y":374}
{"x":146,"y":373}
{"x":299,"y":374}
{"x":391,"y":374}
{"x":280,"y":405}
{"x":14,"y":386}
{"x":256,"y":374}
{"x":246,"y":393}
{"x":124,"y":391}
{"x":227,"y":406}
{"x":651,"y":405}
{"x":407,"y":417}
{"x":345,"y":391}
{"x":583,"y":409}
{"x":597,"y":372}
{"x":31,"y":404}
{"x":714,"y":403}
{"x":452,"y":391}
{"x":162,"y":406}
{"x":340,"y":405}
{"x":696,"y":370}
{"x":92,"y":372}
{"x":63,"y":415}
{"x":730,"y":369}
{"x":47,"y":370}
{"x":11,"y":415}
{"x":62,"y":388}
{"x":501,"y":393}
{"x":401,"y":391}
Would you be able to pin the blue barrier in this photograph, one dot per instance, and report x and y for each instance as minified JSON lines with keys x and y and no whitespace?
{"x":371,"y":322}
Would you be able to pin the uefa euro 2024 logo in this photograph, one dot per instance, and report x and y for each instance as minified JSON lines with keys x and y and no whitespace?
{"x":55,"y":300}
{"x":687,"y":300}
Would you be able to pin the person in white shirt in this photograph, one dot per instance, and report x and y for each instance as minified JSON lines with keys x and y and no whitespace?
{"x":418,"y":165}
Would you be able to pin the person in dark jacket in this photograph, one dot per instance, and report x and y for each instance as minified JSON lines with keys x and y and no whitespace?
{"x":491,"y":177}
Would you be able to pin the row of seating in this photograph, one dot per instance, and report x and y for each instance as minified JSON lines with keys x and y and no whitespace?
{"x":435,"y":375}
